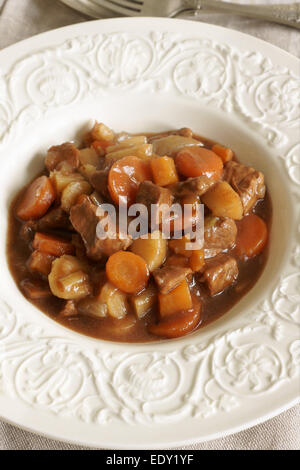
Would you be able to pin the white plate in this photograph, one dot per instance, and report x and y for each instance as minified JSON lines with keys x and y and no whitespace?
{"x":152,"y":74}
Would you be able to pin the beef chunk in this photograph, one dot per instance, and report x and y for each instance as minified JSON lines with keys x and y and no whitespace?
{"x":99,"y":181}
{"x":65,"y":152}
{"x":247,"y":182}
{"x":219,"y":235}
{"x":28,"y":230}
{"x":84,"y":219}
{"x":151,"y":194}
{"x":69,"y":310}
{"x":53,"y":220}
{"x":56,"y":219}
{"x":197,"y":186}
{"x":169,"y":277}
{"x":220,"y":272}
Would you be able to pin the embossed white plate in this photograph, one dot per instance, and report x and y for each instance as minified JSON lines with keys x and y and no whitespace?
{"x":137,"y":74}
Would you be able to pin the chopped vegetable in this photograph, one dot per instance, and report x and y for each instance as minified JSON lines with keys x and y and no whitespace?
{"x":252,"y":236}
{"x":143,"y":152}
{"x":179,"y":324}
{"x":164,"y":171}
{"x":37,"y":199}
{"x":101,"y":132}
{"x":89,"y":156}
{"x":125,"y":177}
{"x":178,"y":299}
{"x":223,"y":201}
{"x":153,"y":250}
{"x":179,"y":246}
{"x":52,"y":245}
{"x":144,"y":302}
{"x":133,"y":141}
{"x":197,"y":260}
{"x":127,"y":271}
{"x":68,"y":279}
{"x":172,"y":144}
{"x":115,"y":300}
{"x":225,"y":153}
{"x":72,"y":192}
{"x":61,"y":180}
{"x":198,"y":161}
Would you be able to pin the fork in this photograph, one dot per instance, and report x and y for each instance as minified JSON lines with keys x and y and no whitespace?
{"x":288,"y":14}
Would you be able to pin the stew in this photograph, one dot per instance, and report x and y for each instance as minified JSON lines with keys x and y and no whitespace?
{"x":122,"y":287}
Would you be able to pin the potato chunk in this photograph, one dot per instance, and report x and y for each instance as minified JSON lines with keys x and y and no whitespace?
{"x":223,"y":201}
{"x":61,"y":180}
{"x":152,"y":250}
{"x":89,"y":156}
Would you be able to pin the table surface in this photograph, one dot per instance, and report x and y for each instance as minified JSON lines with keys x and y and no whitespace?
{"x":20,"y":20}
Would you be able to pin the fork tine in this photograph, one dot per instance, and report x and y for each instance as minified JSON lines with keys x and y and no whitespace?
{"x":123,"y":7}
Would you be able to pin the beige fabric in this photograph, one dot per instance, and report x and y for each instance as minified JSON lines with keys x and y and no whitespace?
{"x":20,"y":19}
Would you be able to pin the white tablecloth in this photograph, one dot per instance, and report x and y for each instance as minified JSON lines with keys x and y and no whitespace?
{"x":20,"y":19}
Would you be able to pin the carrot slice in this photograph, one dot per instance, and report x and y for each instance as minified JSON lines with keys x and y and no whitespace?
{"x":179,"y":324}
{"x":127,"y":271}
{"x":37,"y":199}
{"x":198,"y":161}
{"x":164,"y":171}
{"x":125,"y":177}
{"x":52,"y":245}
{"x":251,"y":237}
{"x":225,"y":153}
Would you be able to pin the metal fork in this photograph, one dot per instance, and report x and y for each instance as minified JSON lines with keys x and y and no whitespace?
{"x":288,"y":14}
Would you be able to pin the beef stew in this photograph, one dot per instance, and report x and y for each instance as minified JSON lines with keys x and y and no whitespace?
{"x":122,"y":288}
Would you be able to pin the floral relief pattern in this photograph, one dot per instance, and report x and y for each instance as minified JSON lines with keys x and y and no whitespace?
{"x":203,"y":378}
{"x":248,"y":83}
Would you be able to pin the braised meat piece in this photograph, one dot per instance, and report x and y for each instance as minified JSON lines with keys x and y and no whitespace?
{"x":197,"y":186}
{"x":27,"y":231}
{"x":56,"y":219}
{"x":151,"y":194}
{"x":247,"y":182}
{"x":169,"y":277}
{"x":99,"y":181}
{"x":84,"y":219}
{"x":219,"y":235}
{"x":65,"y":152}
{"x":220,"y":272}
{"x":69,"y":310}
